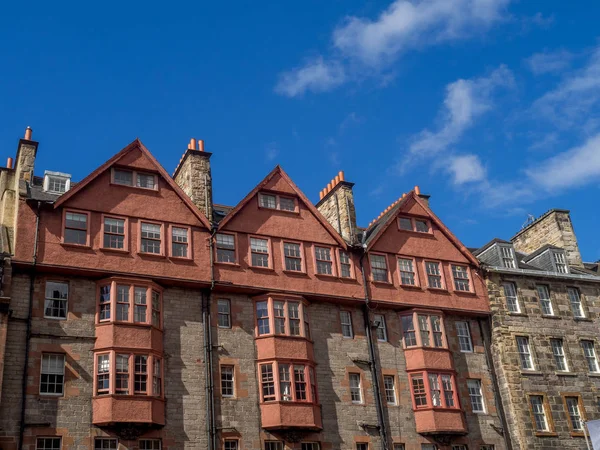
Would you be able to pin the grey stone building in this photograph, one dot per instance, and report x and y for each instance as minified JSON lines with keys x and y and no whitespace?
{"x":545,"y":305}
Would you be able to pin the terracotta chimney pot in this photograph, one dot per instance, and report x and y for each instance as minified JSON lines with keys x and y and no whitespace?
{"x":337,"y":179}
{"x":28,"y":133}
{"x":341,"y":175}
{"x":200,"y":145}
{"x":9,"y":163}
{"x":328,"y":186}
{"x":417,"y":190}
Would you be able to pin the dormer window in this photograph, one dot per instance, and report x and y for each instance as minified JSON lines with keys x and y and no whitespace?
{"x":414,"y":224}
{"x":274,"y":201}
{"x":56,"y":182}
{"x":133,"y":178}
{"x":507,"y":256}
{"x":558,"y":257}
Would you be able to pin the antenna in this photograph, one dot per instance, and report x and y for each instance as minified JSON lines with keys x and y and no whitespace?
{"x":529,"y":221}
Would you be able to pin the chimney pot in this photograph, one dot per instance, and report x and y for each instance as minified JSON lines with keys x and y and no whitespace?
{"x":321,"y":195}
{"x":337,"y":179}
{"x":417,"y":190}
{"x":28,"y":133}
{"x":9,"y":163}
{"x":341,"y":175}
{"x":192,"y":145}
{"x":328,"y":186}
{"x":201,"y":145}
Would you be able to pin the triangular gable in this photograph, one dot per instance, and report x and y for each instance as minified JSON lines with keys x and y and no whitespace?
{"x":417,"y":208}
{"x":153,"y":164}
{"x":283,"y":184}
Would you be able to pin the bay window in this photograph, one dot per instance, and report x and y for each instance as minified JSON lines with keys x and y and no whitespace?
{"x":131,"y":303}
{"x":130,"y":372}
{"x":433,"y":389}
{"x":282,"y":316}
{"x":287,"y":382}
{"x":431,"y":330}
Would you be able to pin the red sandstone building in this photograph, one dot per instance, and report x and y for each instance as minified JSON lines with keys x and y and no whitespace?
{"x":138,"y":314}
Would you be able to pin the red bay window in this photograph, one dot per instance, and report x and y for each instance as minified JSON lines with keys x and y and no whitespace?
{"x":433,"y":390}
{"x":287,"y":382}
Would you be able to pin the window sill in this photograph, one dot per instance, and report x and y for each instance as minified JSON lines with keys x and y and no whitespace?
{"x":466,"y":293}
{"x":128,"y":324}
{"x":295,"y":272}
{"x":114,"y":250}
{"x":546,"y":434}
{"x":577,"y":434}
{"x":285,"y":211}
{"x":566,"y":374}
{"x":128,"y":396}
{"x":180,"y":259}
{"x":51,"y":396}
{"x":263,"y":269}
{"x":326,"y":276}
{"x":594,"y":374}
{"x":415,"y":287}
{"x":151,"y":255}
{"x":582,"y":319}
{"x":531,"y":372}
{"x":55,"y":318}
{"x":130,"y":186}
{"x":420,"y":233}
{"x":547,"y":316}
{"x":517,"y":314}
{"x":441,"y":408}
{"x":286,"y":336}
{"x":382,"y":283}
{"x":230,"y":264}
{"x":440,"y":290}
{"x":83,"y":247}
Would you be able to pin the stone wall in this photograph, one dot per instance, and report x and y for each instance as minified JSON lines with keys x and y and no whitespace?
{"x":338,"y":208}
{"x":515,"y":384}
{"x":193,"y":175}
{"x":554,"y":228}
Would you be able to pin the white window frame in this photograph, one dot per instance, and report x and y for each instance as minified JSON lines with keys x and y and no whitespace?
{"x":49,"y":357}
{"x":576,"y":303}
{"x":525,"y":350}
{"x":43,"y":446}
{"x":507,"y":256}
{"x":348,"y":324}
{"x":227,"y":313}
{"x":390,"y":392}
{"x":228,"y":369}
{"x":590,"y":356}
{"x":53,"y":299}
{"x":559,"y":354}
{"x":58,"y":176}
{"x":475,"y":391}
{"x":355,"y":389}
{"x":513,"y":286}
{"x":464,"y":336}
{"x":545,"y":302}
{"x":381,"y":327}
{"x":559,"y":261}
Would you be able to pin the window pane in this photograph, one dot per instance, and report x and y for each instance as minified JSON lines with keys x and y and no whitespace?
{"x":379,"y":320}
{"x":407,"y":272}
{"x":346,"y":320}
{"x":227,"y":381}
{"x":224,"y":313}
{"x":145,"y":180}
{"x":405,"y":223}
{"x":408,"y":329}
{"x":287,"y":204}
{"x":464,"y":337}
{"x":48,"y":443}
{"x":55,"y":304}
{"x":545,"y":302}
{"x":474,"y":387}
{"x":461,"y":278}
{"x":52,"y":374}
{"x":355,"y":388}
{"x":267,"y":201}
{"x":524,"y":353}
{"x":262,"y":317}
{"x":510,"y":293}
{"x":434,"y":277}
{"x":124,"y":177}
{"x":558,"y":352}
{"x":539,"y":414}
{"x":575,"y":300}
{"x":379,"y":267}
{"x":76,"y":221}
{"x":390,"y":391}
{"x":422,"y":226}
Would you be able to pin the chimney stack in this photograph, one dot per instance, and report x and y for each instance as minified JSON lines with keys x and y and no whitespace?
{"x":193,"y":175}
{"x":336,"y":203}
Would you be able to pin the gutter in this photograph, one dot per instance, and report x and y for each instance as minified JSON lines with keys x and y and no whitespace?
{"x":542,"y":273}
{"x":383,"y":431}
{"x":28,"y":328}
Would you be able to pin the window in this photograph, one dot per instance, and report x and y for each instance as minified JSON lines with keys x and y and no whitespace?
{"x":140,"y":374}
{"x":157,"y":378}
{"x":105,"y":443}
{"x":285,"y":383}
{"x":545,"y":301}
{"x":155,"y":309}
{"x":114,"y":233}
{"x":589,"y":351}
{"x":293,"y":256}
{"x":55,"y":303}
{"x":559,"y":262}
{"x":418,"y":390}
{"x":434,"y":275}
{"x":150,"y":238}
{"x":273,"y":445}
{"x":227,"y":381}
{"x":441,"y":390}
{"x":122,"y":375}
{"x":279,"y":312}
{"x":422,"y":226}
{"x":287,"y":204}
{"x":346,"y":320}
{"x":324,"y":261}
{"x":538,"y":410}
{"x":262,"y":318}
{"x":267,"y":382}
{"x":576,"y":305}
{"x":464,"y":337}
{"x":231,"y":444}
{"x":408,"y":330}
{"x":390,"y":389}
{"x":76,"y":228}
{"x":310,"y":446}
{"x":525,"y":353}
{"x":476,"y":396}
{"x":140,"y":304}
{"x":558,"y":352}
{"x":124,"y":177}
{"x":145,"y":181}
{"x":224,"y":313}
{"x":405,"y":223}
{"x":345,"y":265}
{"x":150,"y":444}
{"x":180,"y":242}
{"x":56,"y":185}
{"x":259,"y":249}
{"x":448,"y":390}
{"x":362,"y":446}
{"x":461,"y":278}
{"x":407,"y":272}
{"x":293,"y":381}
{"x":355,"y":388}
{"x":294,"y":316}
{"x":105,"y":302}
{"x":299,"y":383}
{"x":379,"y":268}
{"x":48,"y":443}
{"x":225,"y":248}
{"x":268,"y":201}
{"x":410,"y":224}
{"x":507,"y":256}
{"x":510,"y":293}
{"x":52,"y":376}
{"x":102,"y":374}
{"x":379,"y":321}
{"x":574,"y":410}
{"x":123,"y":302}
{"x":398,"y":446}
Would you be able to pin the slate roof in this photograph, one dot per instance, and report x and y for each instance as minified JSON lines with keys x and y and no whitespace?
{"x":539,"y":251}
{"x":489,"y":244}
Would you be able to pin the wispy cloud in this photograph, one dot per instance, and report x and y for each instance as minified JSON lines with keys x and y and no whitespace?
{"x":350,"y":120}
{"x":317,"y":75}
{"x":466,"y":169}
{"x":465,"y":101}
{"x":271,"y":151}
{"x":549,"y":62}
{"x":363,"y":46}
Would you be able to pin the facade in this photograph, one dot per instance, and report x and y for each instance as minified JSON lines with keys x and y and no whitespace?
{"x":545,"y":304}
{"x":138,"y":314}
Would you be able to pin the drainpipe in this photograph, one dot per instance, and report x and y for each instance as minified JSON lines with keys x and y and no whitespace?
{"x":383,"y":432}
{"x":28,"y":330}
{"x":497,"y":399}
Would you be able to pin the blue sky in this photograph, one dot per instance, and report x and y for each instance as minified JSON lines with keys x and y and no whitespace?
{"x":491,"y":106}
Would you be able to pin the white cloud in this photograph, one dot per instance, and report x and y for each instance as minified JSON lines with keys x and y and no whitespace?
{"x":549,"y":62}
{"x":574,"y":167}
{"x":466,"y":169}
{"x":316,"y":75}
{"x":465,"y":101}
{"x":571,"y":101}
{"x":363,"y":45}
{"x":407,"y":25}
{"x":271,"y":151}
